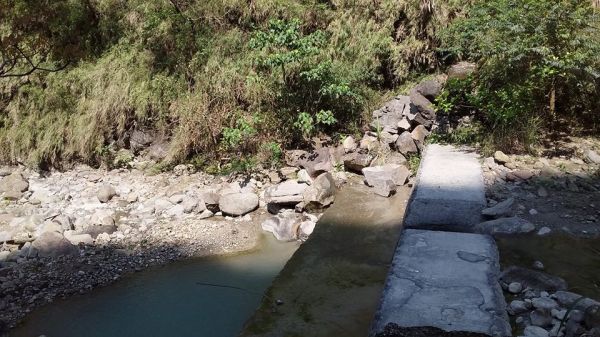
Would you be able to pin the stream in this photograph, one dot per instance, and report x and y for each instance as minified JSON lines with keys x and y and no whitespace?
{"x":172,"y":300}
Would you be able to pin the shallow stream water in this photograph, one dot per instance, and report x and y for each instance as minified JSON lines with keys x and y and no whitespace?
{"x":172,"y":300}
{"x":576,"y":260}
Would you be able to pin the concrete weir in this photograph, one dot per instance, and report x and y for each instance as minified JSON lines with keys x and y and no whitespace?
{"x":443,"y":281}
{"x":446,"y":281}
{"x":450,"y":193}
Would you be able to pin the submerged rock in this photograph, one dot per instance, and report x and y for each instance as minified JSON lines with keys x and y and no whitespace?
{"x":398,"y":174}
{"x":284,"y":226}
{"x":533,"y":279}
{"x":499,"y":210}
{"x":514,"y":225}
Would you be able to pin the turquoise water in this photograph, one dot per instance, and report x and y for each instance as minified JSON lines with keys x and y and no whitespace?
{"x":168,"y":301}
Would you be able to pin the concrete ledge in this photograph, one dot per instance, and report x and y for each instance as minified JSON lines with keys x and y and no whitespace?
{"x":449,"y":193}
{"x":443,"y":280}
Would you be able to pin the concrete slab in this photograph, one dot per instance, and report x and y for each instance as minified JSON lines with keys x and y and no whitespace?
{"x":449,"y":193}
{"x":446,"y":281}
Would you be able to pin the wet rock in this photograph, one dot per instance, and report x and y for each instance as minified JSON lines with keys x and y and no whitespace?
{"x":515,"y":287}
{"x":533,"y":279}
{"x":288,"y":192}
{"x":535,"y":331}
{"x":541,"y":318}
{"x":545,"y":303}
{"x":592,"y":317}
{"x":52,"y":244}
{"x":355,"y":162}
{"x":542,"y":192}
{"x":544,"y":231}
{"x":284,"y":226}
{"x":517,"y":307}
{"x":307,"y":227}
{"x":321,"y":192}
{"x":405,"y":144}
{"x":398,"y":174}
{"x":238,"y":203}
{"x":499,"y":210}
{"x":514,"y":225}
{"x":106,"y":193}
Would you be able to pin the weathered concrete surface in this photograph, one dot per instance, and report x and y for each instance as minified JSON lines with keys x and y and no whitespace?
{"x":443,"y":280}
{"x":449,"y":194}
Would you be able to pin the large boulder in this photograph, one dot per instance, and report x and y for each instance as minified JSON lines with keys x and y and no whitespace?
{"x":288,"y":192}
{"x":53,"y":244}
{"x":499,"y":210}
{"x":106,"y":193}
{"x":15,"y":182}
{"x":284,"y":226}
{"x":317,"y":162}
{"x":238,"y":203}
{"x":321,"y":192}
{"x":355,"y":162}
{"x":405,"y":144}
{"x":430,"y":88}
{"x":398,"y":174}
{"x":592,"y":157}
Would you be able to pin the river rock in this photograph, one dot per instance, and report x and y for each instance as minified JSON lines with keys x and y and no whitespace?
{"x":238,"y":203}
{"x":355,"y":162}
{"x":384,"y":187}
{"x":349,"y":144}
{"x":52,"y":244}
{"x":284,"y":226}
{"x":517,"y":307}
{"x":106,"y":193}
{"x":533,"y":279}
{"x":288,"y":192}
{"x":317,"y":162}
{"x":544,"y":303}
{"x":321,"y":192}
{"x":535,"y":331}
{"x":544,"y":231}
{"x":405,"y":144}
{"x":94,"y":231}
{"x":15,"y":182}
{"x":515,"y":287}
{"x":78,"y":238}
{"x":592,"y":157}
{"x":398,"y":174}
{"x":514,"y":225}
{"x":541,"y":318}
{"x":499,"y":210}
{"x":501,"y":158}
{"x":592,"y":317}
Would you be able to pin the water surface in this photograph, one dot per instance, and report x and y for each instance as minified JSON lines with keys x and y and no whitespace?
{"x":168,"y":301}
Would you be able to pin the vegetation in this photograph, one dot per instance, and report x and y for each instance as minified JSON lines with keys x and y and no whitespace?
{"x":245,"y":79}
{"x":538,"y":67}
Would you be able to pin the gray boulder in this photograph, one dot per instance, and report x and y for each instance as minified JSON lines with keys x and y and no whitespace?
{"x":501,"y":158}
{"x":238,"y":203}
{"x":106,"y":193}
{"x":514,"y":225}
{"x":384,"y":188}
{"x":15,"y":182}
{"x":53,"y":244}
{"x":405,"y":144}
{"x":316,"y":162}
{"x":499,"y":210}
{"x":398,"y":174}
{"x":355,"y":162}
{"x":349,"y":144}
{"x":288,"y":192}
{"x":418,"y":135}
{"x":592,"y":157}
{"x":321,"y":192}
{"x":94,"y":231}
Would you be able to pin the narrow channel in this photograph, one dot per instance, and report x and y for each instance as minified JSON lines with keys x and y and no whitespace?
{"x":173,"y":300}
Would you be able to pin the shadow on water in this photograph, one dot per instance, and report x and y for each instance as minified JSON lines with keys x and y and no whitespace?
{"x":577,"y":260}
{"x":172,"y":300}
{"x":332,"y":284}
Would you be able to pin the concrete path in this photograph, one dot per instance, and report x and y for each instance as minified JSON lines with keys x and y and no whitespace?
{"x":446,"y":281}
{"x":449,"y":193}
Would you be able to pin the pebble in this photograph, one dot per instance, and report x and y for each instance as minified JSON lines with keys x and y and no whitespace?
{"x":515,"y":288}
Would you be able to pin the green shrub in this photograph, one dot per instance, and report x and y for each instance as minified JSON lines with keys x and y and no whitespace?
{"x":538,"y":65}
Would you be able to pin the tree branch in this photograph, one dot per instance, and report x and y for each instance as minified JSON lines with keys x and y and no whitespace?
{"x":34,"y":67}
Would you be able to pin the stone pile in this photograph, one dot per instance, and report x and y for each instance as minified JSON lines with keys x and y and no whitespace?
{"x":542,"y":307}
